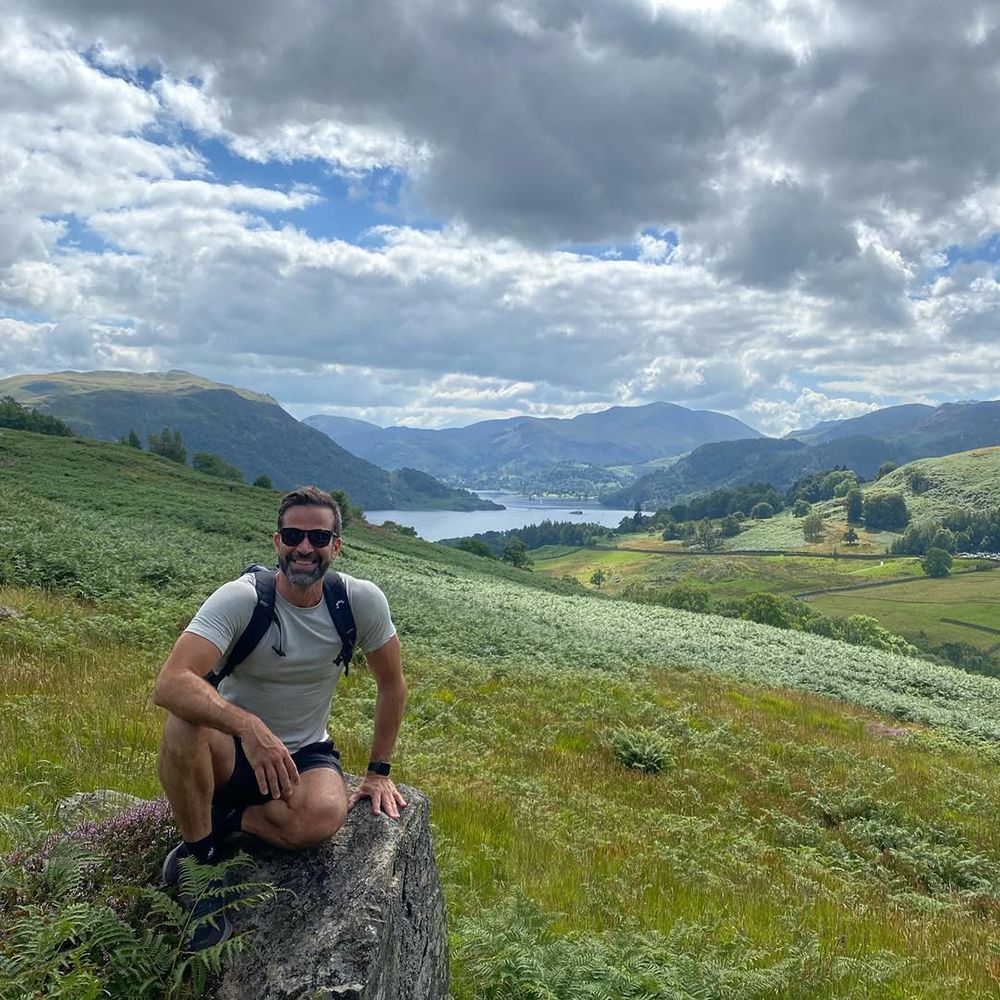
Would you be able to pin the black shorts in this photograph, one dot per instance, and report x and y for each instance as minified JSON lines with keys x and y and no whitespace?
{"x":241,"y":789}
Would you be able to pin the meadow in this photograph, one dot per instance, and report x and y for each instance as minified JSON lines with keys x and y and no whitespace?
{"x":627,"y":801}
{"x":922,"y":605}
{"x":729,"y":576}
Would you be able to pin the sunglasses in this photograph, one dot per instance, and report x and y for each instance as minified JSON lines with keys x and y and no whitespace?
{"x":319,"y":538}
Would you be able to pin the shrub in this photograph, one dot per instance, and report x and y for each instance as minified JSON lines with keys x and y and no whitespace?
{"x":214,"y":465}
{"x":761,"y":511}
{"x":264,"y":482}
{"x":476,"y":547}
{"x":937,"y":562}
{"x":642,"y":749}
{"x":885,"y":511}
{"x":767,"y":609}
{"x":83,"y":922}
{"x":686,"y":597}
{"x":802,"y":508}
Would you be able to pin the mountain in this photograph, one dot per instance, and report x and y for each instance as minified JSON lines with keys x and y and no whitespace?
{"x":778,"y":461}
{"x":927,"y":430}
{"x":621,"y":435}
{"x":907,"y":433}
{"x":248,"y":429}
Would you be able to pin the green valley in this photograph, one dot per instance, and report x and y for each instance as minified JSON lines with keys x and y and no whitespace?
{"x":820,"y":820}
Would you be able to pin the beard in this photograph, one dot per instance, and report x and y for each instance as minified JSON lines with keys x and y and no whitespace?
{"x":300,"y":577}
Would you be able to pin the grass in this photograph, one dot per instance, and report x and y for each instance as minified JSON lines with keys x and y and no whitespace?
{"x":792,"y":845}
{"x":918,"y":607}
{"x":730,"y":577}
{"x":933,"y":486}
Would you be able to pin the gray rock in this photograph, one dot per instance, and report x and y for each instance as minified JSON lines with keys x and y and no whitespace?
{"x":99,"y":804}
{"x":6,"y":612}
{"x":366,"y":921}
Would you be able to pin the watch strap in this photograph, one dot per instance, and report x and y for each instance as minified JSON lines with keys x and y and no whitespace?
{"x":381,"y":767}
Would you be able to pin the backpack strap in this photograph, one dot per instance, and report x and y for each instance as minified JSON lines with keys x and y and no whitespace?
{"x":335,"y":595}
{"x":258,"y":626}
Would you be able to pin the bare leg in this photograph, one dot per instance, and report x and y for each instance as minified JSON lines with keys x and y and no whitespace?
{"x":193,"y":762}
{"x":316,"y":810}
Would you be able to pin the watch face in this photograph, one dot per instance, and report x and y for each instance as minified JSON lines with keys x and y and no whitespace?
{"x":379,"y":767}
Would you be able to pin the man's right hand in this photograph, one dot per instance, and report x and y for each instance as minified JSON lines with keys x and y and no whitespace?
{"x":271,"y":762}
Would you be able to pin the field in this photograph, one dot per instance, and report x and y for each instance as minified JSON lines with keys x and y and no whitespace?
{"x":821,"y":823}
{"x":729,"y":576}
{"x":919,"y":607}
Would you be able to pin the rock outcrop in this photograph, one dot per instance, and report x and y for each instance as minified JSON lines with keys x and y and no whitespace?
{"x":364,"y":918}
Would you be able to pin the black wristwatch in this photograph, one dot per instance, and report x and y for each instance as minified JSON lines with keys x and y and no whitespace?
{"x":381,"y":767}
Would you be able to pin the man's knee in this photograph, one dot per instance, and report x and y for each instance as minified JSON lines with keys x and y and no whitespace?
{"x":181,"y":741}
{"x":186,"y":747}
{"x":313,"y":824}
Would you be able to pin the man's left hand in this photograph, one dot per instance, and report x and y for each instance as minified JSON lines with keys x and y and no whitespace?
{"x":383,"y":793}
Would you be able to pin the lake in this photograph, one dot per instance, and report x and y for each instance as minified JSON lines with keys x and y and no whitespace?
{"x":433,"y":525}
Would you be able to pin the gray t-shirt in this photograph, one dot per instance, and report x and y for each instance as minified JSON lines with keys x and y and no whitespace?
{"x":290,"y":693}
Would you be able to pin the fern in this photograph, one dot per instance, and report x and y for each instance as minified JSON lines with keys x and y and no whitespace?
{"x":56,"y":941}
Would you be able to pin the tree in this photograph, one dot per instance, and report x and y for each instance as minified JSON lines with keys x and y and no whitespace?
{"x":24,"y":418}
{"x":851,"y":536}
{"x":131,"y":439}
{"x":348,"y":512}
{"x":214,"y":465}
{"x":885,"y":511}
{"x":264,"y":481}
{"x":768,"y":609}
{"x":477,"y":547}
{"x":598,"y":577}
{"x":802,"y":508}
{"x":730,"y":526}
{"x":761,"y":511}
{"x":687,"y":597}
{"x":885,"y":468}
{"x":706,"y":536}
{"x":813,"y":528}
{"x":169,"y":444}
{"x":855,"y":505}
{"x":516,"y":553}
{"x":399,"y":529}
{"x":937,"y":562}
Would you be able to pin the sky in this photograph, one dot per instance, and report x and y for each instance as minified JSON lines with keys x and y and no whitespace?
{"x":431,"y":212}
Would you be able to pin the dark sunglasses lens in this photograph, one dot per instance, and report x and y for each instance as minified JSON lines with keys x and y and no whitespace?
{"x":318,"y":537}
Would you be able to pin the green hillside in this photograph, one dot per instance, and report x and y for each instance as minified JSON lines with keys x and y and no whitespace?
{"x":934,"y":486}
{"x":787,"y":840}
{"x":247,"y":429}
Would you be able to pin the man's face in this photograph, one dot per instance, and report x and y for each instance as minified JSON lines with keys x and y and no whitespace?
{"x":303,"y":564}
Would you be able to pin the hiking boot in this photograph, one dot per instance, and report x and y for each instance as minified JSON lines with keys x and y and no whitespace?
{"x":171,"y":864}
{"x":211,"y":924}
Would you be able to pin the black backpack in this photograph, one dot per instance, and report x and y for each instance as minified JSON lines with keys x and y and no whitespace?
{"x":335,"y":595}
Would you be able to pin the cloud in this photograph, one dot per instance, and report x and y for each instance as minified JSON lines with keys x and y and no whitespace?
{"x":770,"y":191}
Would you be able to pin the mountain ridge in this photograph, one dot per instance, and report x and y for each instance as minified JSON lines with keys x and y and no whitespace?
{"x":619,"y":435}
{"x":248,"y":429}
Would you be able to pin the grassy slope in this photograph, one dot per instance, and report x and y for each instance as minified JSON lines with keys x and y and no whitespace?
{"x":967,"y":479}
{"x":791,"y":834}
{"x":37,"y":390}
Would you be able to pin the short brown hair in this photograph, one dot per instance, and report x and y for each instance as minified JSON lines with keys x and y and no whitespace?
{"x":310,"y":496}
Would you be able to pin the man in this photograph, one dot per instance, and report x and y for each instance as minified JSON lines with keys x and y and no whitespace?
{"x":254,"y":755}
